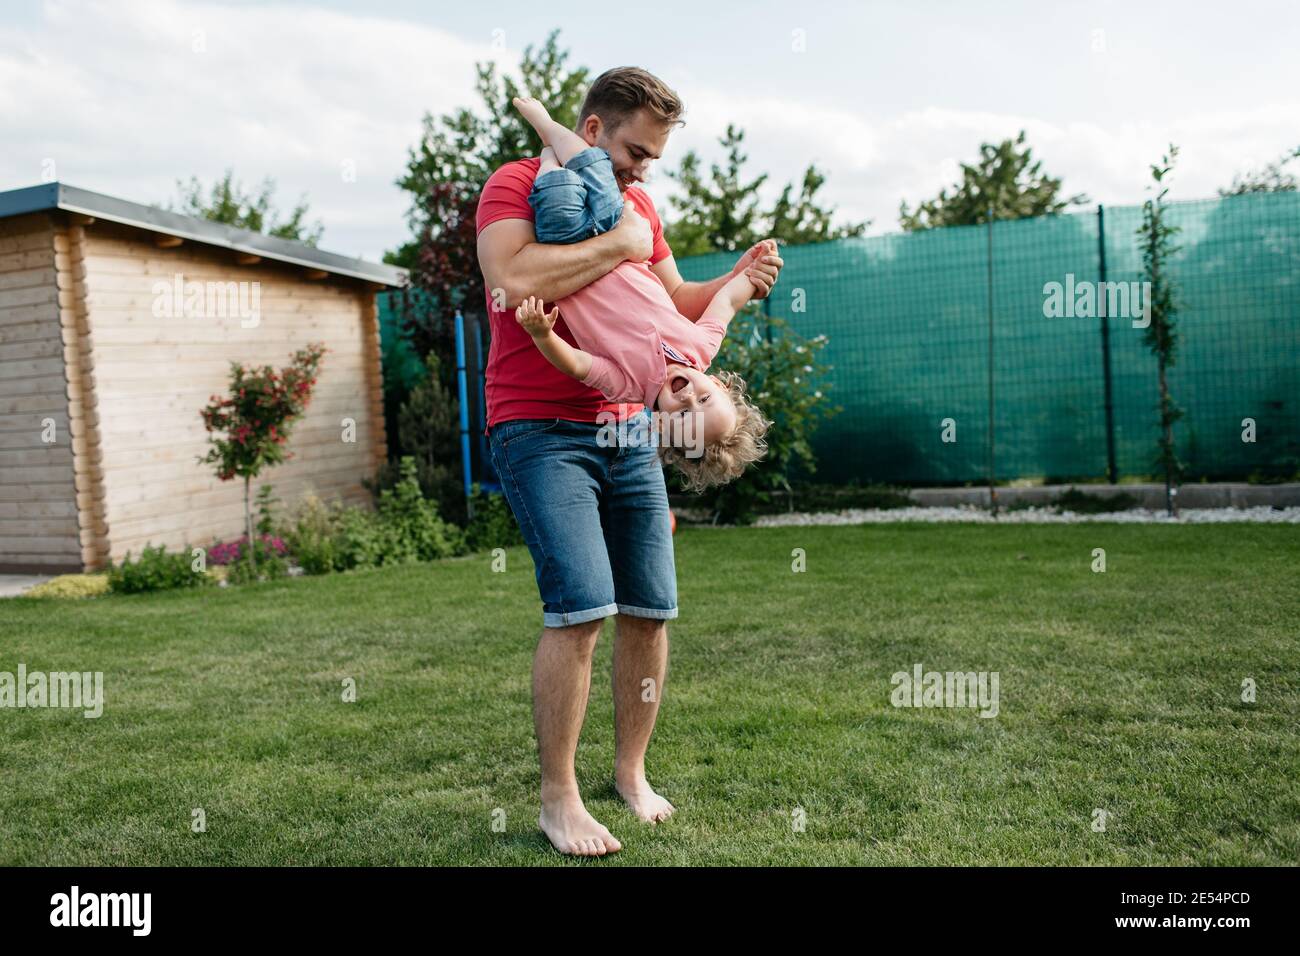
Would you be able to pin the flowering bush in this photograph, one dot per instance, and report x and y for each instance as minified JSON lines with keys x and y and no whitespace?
{"x":256,"y":419}
{"x":227,"y":552}
{"x":263,"y":561}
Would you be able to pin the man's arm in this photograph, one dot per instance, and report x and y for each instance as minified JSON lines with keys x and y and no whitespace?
{"x":692,"y":298}
{"x":515,"y":265}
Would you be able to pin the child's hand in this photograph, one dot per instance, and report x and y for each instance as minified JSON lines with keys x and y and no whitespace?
{"x":762,"y":263}
{"x":532,"y":318}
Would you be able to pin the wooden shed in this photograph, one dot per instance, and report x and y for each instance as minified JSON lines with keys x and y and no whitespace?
{"x":118,"y":321}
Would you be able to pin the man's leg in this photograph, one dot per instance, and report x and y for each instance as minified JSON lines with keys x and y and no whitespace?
{"x":638,"y":536}
{"x":561,"y":685}
{"x":640,"y":666}
{"x":551,"y":473}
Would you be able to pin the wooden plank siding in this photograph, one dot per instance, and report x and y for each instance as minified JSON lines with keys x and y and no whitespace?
{"x":40,"y":527}
{"x":123,"y":382}
{"x":157,"y":371}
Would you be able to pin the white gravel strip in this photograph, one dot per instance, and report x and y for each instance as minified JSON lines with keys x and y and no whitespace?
{"x":969,"y":513}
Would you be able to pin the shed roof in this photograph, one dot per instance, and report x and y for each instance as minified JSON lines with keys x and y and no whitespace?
{"x":50,"y":196}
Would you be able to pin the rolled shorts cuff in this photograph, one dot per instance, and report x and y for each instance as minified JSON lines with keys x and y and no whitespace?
{"x":654,"y":613}
{"x":558,"y":177}
{"x":569,"y":618}
{"x":592,"y":154}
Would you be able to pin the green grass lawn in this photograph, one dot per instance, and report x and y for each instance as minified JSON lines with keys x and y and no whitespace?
{"x":1118,"y":691}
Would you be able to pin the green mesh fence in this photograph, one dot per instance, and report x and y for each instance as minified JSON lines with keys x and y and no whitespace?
{"x":907,"y":318}
{"x":401,"y":364}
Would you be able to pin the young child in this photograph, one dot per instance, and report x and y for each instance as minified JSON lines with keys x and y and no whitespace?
{"x":633,"y":344}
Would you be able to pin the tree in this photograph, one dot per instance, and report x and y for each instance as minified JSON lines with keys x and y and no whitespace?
{"x":1007,"y":179}
{"x":802,"y":221}
{"x":1156,"y":241}
{"x":256,"y":419}
{"x":447,"y":168}
{"x":227,"y":201}
{"x":1273,"y":178}
{"x":428,"y":432}
{"x":723,"y":213}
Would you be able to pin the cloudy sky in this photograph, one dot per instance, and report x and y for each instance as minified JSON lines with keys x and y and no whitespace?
{"x":886,"y":97}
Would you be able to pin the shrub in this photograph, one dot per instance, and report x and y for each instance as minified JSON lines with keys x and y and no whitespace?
{"x":265,"y":518}
{"x":405,"y":527}
{"x":784,"y":374}
{"x":410,"y":526}
{"x":154,"y":571}
{"x":311,"y":535}
{"x":493,"y":524}
{"x":358,"y":541}
{"x":265,"y":562}
{"x":70,"y":586}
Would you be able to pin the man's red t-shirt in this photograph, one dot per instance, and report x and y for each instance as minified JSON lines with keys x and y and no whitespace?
{"x":521,"y":383}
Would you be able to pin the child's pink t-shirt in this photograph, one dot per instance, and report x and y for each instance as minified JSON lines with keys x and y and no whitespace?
{"x":627,"y":323}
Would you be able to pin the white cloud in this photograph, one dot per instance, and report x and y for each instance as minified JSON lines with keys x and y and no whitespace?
{"x":874,"y":163}
{"x":128,"y":98}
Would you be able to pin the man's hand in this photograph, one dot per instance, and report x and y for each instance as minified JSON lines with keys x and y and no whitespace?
{"x":532,"y":318}
{"x":634,"y":234}
{"x":762,"y":263}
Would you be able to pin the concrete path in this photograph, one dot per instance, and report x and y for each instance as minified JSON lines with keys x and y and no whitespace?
{"x":11,"y":585}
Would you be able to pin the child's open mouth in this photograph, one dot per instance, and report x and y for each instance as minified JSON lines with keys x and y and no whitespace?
{"x":678,"y":383}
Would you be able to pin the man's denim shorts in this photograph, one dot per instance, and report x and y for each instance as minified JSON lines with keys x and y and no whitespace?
{"x":595,"y":518}
{"x":579,"y":200}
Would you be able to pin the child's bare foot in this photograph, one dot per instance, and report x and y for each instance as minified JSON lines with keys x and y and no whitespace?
{"x":533,"y":111}
{"x":549,"y":161}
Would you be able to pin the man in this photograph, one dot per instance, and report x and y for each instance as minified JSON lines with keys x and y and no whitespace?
{"x":595,"y":518}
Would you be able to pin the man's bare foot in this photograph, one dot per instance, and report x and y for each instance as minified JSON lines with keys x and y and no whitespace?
{"x":533,"y":111}
{"x":643,"y":801}
{"x":571,"y":829}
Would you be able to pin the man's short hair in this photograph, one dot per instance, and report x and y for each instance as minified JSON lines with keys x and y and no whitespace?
{"x":618,"y":94}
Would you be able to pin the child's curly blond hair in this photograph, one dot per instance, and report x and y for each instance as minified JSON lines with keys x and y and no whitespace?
{"x":727,"y":459}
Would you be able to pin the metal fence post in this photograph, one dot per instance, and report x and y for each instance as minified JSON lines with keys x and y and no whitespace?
{"x":462,"y":391}
{"x":992,"y":489}
{"x":993,"y":492}
{"x":1112,"y":473}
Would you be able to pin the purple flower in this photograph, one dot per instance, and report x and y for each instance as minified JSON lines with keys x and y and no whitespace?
{"x":226,"y":552}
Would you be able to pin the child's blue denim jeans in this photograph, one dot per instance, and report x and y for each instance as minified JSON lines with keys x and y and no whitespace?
{"x":577,"y":201}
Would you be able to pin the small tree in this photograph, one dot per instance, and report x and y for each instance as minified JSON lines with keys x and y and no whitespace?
{"x":1006,"y":179}
{"x":1273,"y":178}
{"x":228,"y":202}
{"x":1156,"y":240}
{"x":722,"y":213}
{"x":445,"y":172}
{"x":249,"y":428}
